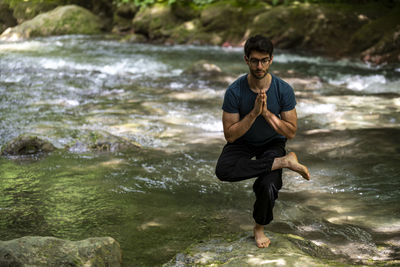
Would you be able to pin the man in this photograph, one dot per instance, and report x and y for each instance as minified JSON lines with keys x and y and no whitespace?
{"x":259,"y":115}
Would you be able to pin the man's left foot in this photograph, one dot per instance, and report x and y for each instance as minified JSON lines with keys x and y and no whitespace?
{"x":294,"y":165}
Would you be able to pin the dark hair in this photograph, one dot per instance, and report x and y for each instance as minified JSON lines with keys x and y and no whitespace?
{"x":258,"y":43}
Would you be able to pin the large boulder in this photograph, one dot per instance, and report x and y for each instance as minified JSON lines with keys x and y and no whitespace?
{"x":69,"y":19}
{"x":26,"y":145}
{"x":51,"y":251}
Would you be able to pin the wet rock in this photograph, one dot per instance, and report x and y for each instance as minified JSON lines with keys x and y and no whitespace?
{"x":203,"y":68}
{"x":209,"y":71}
{"x":134,"y":38}
{"x":69,"y":19}
{"x":26,"y":145}
{"x":51,"y":251}
{"x":285,"y":250}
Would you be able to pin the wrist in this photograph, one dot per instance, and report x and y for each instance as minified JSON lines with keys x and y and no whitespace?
{"x":253,"y":114}
{"x":267,"y":114}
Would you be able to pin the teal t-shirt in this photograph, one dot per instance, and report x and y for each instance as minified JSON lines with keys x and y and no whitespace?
{"x":240,"y":99}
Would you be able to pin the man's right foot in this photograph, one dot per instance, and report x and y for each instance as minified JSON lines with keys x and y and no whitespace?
{"x":261,"y":240}
{"x":294,"y":165}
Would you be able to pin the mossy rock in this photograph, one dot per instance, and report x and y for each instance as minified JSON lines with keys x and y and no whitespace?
{"x":379,"y":39}
{"x":221,"y":17}
{"x":186,"y":32}
{"x":156,"y":21}
{"x":123,"y":16}
{"x":185,"y":10}
{"x":24,"y":11}
{"x":63,"y":20}
{"x":27,"y":145}
{"x":307,"y":27}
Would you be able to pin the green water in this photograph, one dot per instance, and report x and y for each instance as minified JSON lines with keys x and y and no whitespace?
{"x":158,"y":199}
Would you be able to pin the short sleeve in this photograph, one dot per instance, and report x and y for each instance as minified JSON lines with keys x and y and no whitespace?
{"x":288,"y":98}
{"x":231,"y":102}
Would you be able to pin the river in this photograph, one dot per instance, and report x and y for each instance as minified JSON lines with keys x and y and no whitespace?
{"x":158,"y":199}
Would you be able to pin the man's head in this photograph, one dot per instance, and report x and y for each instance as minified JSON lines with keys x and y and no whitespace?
{"x":258,"y":43}
{"x":258,"y":55}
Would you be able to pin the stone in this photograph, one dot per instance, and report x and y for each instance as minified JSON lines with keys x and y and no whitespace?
{"x":51,"y":251}
{"x":63,"y":20}
{"x":26,"y":145}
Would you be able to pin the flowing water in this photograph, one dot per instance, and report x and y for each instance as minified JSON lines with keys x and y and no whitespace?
{"x":158,"y":199}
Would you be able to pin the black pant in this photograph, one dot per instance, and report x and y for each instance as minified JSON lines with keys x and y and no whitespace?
{"x":236,"y":164}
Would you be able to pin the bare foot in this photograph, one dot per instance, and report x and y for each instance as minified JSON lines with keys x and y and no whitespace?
{"x":294,"y":165}
{"x":261,"y":240}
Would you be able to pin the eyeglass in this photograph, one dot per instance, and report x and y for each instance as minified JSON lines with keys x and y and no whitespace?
{"x":254,"y":61}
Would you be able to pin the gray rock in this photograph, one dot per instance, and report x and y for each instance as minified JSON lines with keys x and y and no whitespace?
{"x":51,"y":251}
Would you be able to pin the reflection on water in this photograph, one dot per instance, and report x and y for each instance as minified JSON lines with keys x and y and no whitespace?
{"x":164,"y":196}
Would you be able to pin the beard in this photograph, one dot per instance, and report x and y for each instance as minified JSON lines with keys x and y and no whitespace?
{"x":259,"y":74}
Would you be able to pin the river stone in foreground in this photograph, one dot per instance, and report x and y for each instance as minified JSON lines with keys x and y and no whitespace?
{"x":69,"y":19}
{"x":51,"y":251}
{"x":285,"y":250}
{"x":26,"y":145}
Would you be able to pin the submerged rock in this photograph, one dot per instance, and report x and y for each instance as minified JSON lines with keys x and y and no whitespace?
{"x":27,"y":145}
{"x":69,"y":19}
{"x":101,"y":141}
{"x":51,"y":251}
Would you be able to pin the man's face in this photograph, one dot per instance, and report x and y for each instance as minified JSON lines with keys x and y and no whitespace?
{"x":258,"y":63}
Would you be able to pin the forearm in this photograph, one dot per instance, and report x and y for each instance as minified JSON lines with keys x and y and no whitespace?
{"x":280,"y":126}
{"x":238,"y":129}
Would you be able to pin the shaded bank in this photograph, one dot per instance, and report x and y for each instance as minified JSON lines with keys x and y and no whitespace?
{"x":367,"y":30}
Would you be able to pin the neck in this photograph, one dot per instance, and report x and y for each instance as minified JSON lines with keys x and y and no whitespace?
{"x":258,"y":85}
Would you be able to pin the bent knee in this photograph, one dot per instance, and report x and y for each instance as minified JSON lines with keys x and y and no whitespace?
{"x":221,"y":175}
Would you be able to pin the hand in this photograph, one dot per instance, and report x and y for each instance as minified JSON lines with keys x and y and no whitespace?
{"x":265,"y":106}
{"x":260,"y":104}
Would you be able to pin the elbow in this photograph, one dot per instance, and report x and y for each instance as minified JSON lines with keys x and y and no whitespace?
{"x":229,"y":139}
{"x":291,"y":135}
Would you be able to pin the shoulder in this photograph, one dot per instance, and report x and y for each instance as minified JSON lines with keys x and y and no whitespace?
{"x":238,"y":83}
{"x":281,"y":84}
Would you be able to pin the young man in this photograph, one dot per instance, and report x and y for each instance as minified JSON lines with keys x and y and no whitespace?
{"x":259,"y":115}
